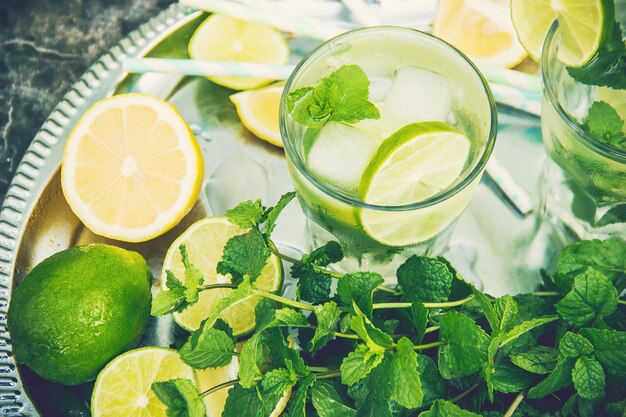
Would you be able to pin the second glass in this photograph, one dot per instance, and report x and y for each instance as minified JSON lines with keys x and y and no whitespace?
{"x":435,"y":132}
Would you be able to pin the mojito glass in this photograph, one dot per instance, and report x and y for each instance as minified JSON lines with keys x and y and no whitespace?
{"x":392,"y":183}
{"x":584,"y":180}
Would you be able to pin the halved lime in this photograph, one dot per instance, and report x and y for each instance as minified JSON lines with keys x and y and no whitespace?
{"x":224,"y":38}
{"x":415,"y":163}
{"x":582,"y":25}
{"x":205,"y":241}
{"x":124,"y":386}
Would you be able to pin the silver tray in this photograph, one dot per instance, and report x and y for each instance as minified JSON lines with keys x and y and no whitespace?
{"x":491,"y":241}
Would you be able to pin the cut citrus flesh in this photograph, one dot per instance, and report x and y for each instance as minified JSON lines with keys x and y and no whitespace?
{"x":482,"y":29}
{"x":224,"y":38}
{"x":415,"y":163}
{"x":211,"y":377}
{"x":131,"y":167}
{"x":582,"y":26}
{"x":205,"y":241}
{"x":124,"y":386}
{"x":258,"y":111}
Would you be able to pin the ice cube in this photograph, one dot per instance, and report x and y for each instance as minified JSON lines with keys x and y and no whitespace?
{"x":340,"y":154}
{"x":418,"y":95}
{"x":379,"y":87}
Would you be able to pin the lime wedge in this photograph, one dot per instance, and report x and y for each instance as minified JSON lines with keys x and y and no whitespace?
{"x":223,"y":38}
{"x":415,"y":163}
{"x":582,"y":25}
{"x":205,"y":241}
{"x":124,"y":386}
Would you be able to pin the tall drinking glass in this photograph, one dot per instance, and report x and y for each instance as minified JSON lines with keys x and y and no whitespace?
{"x":413,"y":77}
{"x":584,"y":180}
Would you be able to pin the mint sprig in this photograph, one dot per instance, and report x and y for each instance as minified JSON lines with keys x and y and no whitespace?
{"x":440,"y":349}
{"x":341,"y":97}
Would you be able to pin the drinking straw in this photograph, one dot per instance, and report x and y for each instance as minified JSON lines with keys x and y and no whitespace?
{"x":361,"y":12}
{"x":514,"y":192}
{"x":305,"y":26}
{"x":208,"y":68}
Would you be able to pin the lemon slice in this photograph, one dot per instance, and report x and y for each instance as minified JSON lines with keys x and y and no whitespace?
{"x":258,"y":111}
{"x":224,"y":38}
{"x":415,"y":163}
{"x":124,"y":386}
{"x":482,"y":29}
{"x":582,"y":25}
{"x":205,"y":241}
{"x":131,"y":167}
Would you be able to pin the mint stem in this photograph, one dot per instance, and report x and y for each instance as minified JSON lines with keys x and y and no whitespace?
{"x":284,"y":300}
{"x":345,"y":335}
{"x":546,"y":294}
{"x":272,"y":247}
{"x":217,"y":287}
{"x":428,"y":345}
{"x":329,"y":374}
{"x":427,"y":305}
{"x":465,"y":393}
{"x":516,"y":402}
{"x":218,"y":387}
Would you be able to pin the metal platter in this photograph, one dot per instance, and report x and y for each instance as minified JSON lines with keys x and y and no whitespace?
{"x":491,"y":241}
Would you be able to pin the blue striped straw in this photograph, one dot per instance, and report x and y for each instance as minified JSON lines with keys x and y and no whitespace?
{"x":208,"y":68}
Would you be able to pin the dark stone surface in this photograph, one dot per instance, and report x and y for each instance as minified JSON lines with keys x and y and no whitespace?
{"x":45,"y":45}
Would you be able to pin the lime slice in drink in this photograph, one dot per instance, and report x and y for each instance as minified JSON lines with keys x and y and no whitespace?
{"x":205,"y":241}
{"x":224,"y":38}
{"x":582,"y":25}
{"x":415,"y":163}
{"x":124,"y":386}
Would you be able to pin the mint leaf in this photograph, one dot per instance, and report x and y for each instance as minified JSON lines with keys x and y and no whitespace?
{"x":538,"y":360}
{"x":208,"y":347}
{"x":247,"y":214}
{"x":506,"y":311}
{"x":443,"y":408}
{"x":325,"y":255}
{"x":608,"y":348}
{"x":465,"y":351}
{"x":276,"y":381}
{"x":605,"y":125}
{"x":359,"y":363}
{"x":340,"y":97}
{"x":358,"y":287}
{"x":375,"y":338}
{"x":605,"y":256}
{"x":424,"y":279}
{"x":193,"y":277}
{"x":243,"y":290}
{"x":244,"y":254}
{"x":373,"y":407}
{"x":573,"y":345}
{"x":608,"y":67}
{"x":488,"y":310}
{"x":459,"y":288}
{"x":418,"y":320}
{"x":273,"y":213}
{"x":297,"y":404}
{"x":433,"y":386}
{"x":249,"y":402}
{"x":172,"y":282}
{"x":525,"y":327}
{"x":167,"y":302}
{"x":588,"y":377}
{"x":489,"y":368}
{"x":508,"y":378}
{"x":181,"y":397}
{"x":251,"y":359}
{"x":327,"y":317}
{"x":560,"y":378}
{"x":592,"y":296}
{"x":329,"y":401}
{"x":407,"y":387}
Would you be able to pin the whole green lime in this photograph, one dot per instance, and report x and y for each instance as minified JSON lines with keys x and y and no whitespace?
{"x":78,"y":309}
